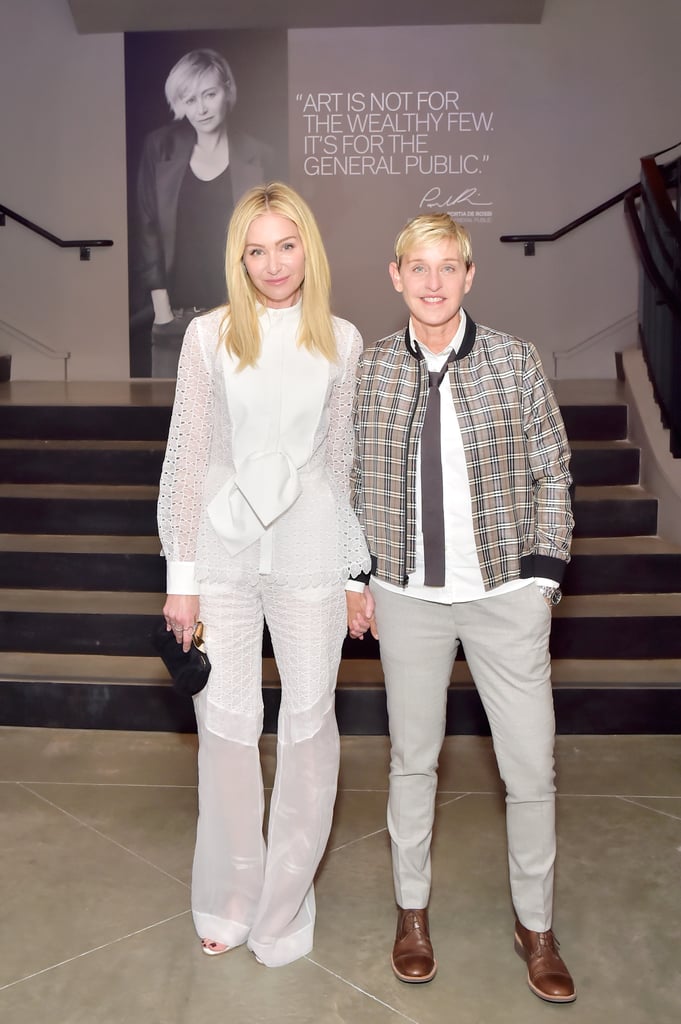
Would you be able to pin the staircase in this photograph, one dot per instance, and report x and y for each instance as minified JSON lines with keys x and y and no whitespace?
{"x":81,"y":579}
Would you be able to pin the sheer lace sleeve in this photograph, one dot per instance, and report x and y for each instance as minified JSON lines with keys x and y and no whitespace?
{"x":340,"y":445}
{"x":180,"y":502}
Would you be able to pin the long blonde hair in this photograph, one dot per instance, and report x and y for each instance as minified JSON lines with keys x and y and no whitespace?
{"x":239,"y":329}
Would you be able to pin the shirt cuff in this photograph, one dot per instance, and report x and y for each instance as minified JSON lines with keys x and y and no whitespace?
{"x":180,"y":578}
{"x":355,"y":585}
{"x":542,"y":582}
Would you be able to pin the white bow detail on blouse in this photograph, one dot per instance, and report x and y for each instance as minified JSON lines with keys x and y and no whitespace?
{"x":265,"y":485}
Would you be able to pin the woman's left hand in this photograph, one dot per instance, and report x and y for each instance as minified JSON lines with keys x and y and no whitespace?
{"x":181,"y":612}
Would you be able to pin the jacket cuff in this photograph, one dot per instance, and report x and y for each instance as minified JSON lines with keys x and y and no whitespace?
{"x":543,"y":566}
{"x":181,"y":578}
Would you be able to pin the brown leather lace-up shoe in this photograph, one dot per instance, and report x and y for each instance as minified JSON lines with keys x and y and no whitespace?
{"x":547,"y":975}
{"x":412,"y":957}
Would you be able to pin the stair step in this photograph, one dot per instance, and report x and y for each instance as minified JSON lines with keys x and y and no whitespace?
{"x":593,"y":410}
{"x":78,"y":508}
{"x":614,"y":511}
{"x":78,"y":562}
{"x":81,"y":462}
{"x":78,"y":492}
{"x":83,"y":658}
{"x":76,"y":622}
{"x":596,"y":463}
{"x":79,"y":543}
{"x":112,"y":603}
{"x":80,"y":423}
{"x":595,"y":422}
{"x":97,"y":509}
{"x":599,"y":565}
{"x":34,"y":666}
{"x":66,"y":692}
{"x":624,"y":565}
{"x":83,"y":410}
{"x":81,"y":562}
{"x":139,"y":462}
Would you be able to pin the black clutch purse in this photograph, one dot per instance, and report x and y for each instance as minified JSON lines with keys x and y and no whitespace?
{"x":190,"y":669}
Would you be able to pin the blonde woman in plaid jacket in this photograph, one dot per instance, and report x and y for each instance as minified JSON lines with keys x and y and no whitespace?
{"x":501,"y":496}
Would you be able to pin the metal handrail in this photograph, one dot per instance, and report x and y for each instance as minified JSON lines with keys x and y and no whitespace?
{"x":84,"y":244}
{"x":529,"y":240}
{"x":667,"y":295}
{"x":657,"y":184}
{"x":634,"y":191}
{"x":593,"y":339}
{"x":660,"y":302}
{"x":35,"y":344}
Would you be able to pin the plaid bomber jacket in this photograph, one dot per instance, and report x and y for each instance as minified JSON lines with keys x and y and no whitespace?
{"x":516,"y":449}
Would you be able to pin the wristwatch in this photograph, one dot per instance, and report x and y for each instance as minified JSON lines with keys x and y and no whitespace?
{"x":552,"y":594}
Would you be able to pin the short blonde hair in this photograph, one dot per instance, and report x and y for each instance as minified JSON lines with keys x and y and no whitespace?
{"x":240,"y":330}
{"x":430,"y":229}
{"x":185,"y":75}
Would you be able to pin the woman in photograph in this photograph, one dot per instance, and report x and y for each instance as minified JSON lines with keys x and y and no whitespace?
{"x":191,"y":173}
{"x":256,"y":524}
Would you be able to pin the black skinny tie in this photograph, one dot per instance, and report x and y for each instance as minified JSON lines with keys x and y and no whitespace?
{"x":432,"y":499}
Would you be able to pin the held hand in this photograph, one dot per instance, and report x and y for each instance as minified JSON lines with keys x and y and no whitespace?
{"x":181,"y":612}
{"x":361,"y":614}
{"x":370,"y":612}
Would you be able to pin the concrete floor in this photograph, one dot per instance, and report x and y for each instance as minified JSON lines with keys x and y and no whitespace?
{"x":95,"y":857}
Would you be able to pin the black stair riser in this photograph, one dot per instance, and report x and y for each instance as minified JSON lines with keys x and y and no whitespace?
{"x":617,"y":637}
{"x":591,"y":467}
{"x":138,"y":423}
{"x":84,"y":423}
{"x":615,"y":517}
{"x":604,"y":467}
{"x":84,"y":516}
{"x":360,"y":711}
{"x":80,"y":467}
{"x":620,"y":637}
{"x":595,"y":422}
{"x":623,"y":574}
{"x":47,"y":570}
{"x":91,"y":516}
{"x":593,"y":637}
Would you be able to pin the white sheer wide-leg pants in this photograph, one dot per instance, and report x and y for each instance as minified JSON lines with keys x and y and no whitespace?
{"x":242,"y":890}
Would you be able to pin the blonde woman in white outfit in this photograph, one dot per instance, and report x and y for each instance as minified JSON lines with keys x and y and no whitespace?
{"x":255,"y":521}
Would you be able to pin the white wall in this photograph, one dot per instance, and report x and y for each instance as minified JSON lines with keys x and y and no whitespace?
{"x":611,"y":96}
{"x":600,"y":87}
{"x":576,"y":102}
{"x":62,"y":166}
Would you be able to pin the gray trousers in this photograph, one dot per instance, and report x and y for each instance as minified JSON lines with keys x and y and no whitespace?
{"x":506,"y":640}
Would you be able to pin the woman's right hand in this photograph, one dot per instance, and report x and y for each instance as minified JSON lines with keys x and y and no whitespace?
{"x":181,"y":612}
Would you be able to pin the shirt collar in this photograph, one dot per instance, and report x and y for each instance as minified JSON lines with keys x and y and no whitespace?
{"x":454,"y":344}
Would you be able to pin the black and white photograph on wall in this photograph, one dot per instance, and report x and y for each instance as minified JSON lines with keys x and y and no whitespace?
{"x":206,"y":119}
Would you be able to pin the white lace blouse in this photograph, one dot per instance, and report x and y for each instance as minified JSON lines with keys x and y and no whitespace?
{"x":256,"y":474}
